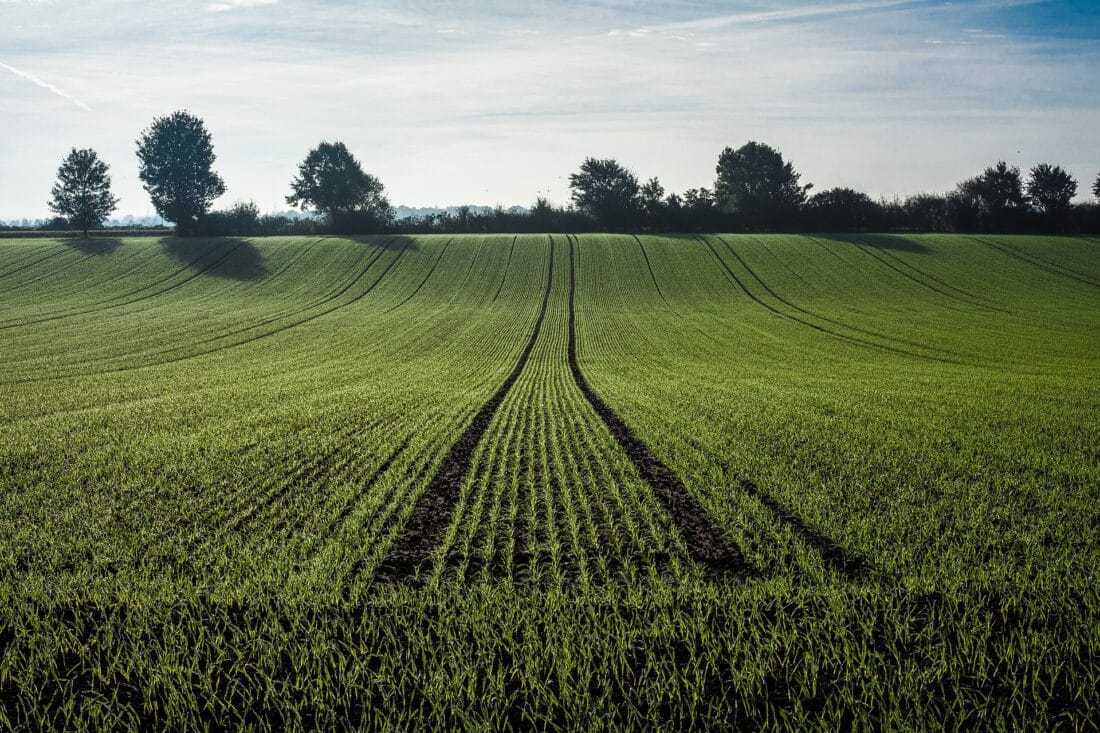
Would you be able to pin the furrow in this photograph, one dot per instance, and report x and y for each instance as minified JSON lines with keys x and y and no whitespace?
{"x":706,"y":543}
{"x":432,"y":511}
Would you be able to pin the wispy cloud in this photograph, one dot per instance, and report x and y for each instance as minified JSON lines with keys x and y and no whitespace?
{"x":45,"y":85}
{"x":496,"y":112}
{"x":800,"y":12}
{"x":221,"y":7}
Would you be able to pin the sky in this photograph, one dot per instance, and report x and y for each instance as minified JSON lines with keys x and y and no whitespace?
{"x":497,"y":102}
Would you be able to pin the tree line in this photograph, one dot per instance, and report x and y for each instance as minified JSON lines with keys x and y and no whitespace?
{"x":755,"y":189}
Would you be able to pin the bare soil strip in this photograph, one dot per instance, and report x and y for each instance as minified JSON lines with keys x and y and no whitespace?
{"x":706,"y":542}
{"x":507,"y":265}
{"x":849,"y":564}
{"x":432,"y":512}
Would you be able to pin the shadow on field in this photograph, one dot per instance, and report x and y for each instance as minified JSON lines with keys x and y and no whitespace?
{"x":93,"y":245}
{"x":887,"y":241}
{"x":236,"y":259}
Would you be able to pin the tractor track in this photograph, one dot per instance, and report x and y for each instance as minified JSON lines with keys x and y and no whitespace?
{"x":430,"y":515}
{"x":507,"y":265}
{"x":850,"y":339}
{"x":143,"y":289}
{"x":435,"y":264}
{"x":253,"y":339}
{"x":863,"y":247}
{"x":1034,"y":261}
{"x":706,"y":543}
{"x":813,"y":314}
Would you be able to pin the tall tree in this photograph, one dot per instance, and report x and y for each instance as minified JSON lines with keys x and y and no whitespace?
{"x":1051,"y":188}
{"x":1001,"y":191}
{"x":994,"y":200}
{"x":652,"y":198}
{"x":608,"y":192}
{"x":758,"y":186}
{"x":332,"y":182}
{"x":82,"y":193}
{"x":177,"y":161}
{"x":1096,"y":187}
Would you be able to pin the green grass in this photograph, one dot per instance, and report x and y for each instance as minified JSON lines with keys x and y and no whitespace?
{"x":209,"y":447}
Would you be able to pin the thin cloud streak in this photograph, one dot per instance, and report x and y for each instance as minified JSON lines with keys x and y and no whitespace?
{"x":45,"y":85}
{"x":237,"y":4}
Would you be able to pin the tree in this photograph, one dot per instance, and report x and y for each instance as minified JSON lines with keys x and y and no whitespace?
{"x":1001,"y":192}
{"x":1096,"y":187}
{"x":994,"y":200}
{"x":177,"y":161}
{"x":758,"y":186}
{"x":1001,"y":187}
{"x":842,"y":210}
{"x":332,"y":182}
{"x":1051,"y":188}
{"x":926,"y":212}
{"x":653,"y":202}
{"x":242,"y":220}
{"x":82,"y":193}
{"x":607,"y":192}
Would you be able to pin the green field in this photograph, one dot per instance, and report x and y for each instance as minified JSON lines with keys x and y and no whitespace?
{"x":550,"y":482}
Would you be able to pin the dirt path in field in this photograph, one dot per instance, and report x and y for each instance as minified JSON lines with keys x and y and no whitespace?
{"x":707,"y":544}
{"x":432,"y":512}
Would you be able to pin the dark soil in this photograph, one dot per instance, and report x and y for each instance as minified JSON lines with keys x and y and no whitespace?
{"x":432,"y":512}
{"x":706,"y":543}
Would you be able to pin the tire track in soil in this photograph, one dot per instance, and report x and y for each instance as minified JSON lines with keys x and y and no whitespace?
{"x":1034,"y":261}
{"x":418,"y":287}
{"x":47,"y":275}
{"x":8,"y":274}
{"x":243,"y":342}
{"x":21,"y":259}
{"x":653,"y":276}
{"x":863,"y":247}
{"x":706,"y":543}
{"x":850,"y":339}
{"x":430,"y":515}
{"x":143,"y":289}
{"x":852,"y":565}
{"x":979,"y":300}
{"x":506,"y":266}
{"x":827,"y":319}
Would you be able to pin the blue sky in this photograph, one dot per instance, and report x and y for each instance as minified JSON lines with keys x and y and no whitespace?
{"x":497,"y":102}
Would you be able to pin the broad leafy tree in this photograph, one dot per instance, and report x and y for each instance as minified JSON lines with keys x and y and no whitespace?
{"x":926,"y":212}
{"x":755,"y":184}
{"x":332,"y":182}
{"x":82,"y":194}
{"x":1051,"y":188}
{"x":177,"y":160}
{"x":1001,"y":187}
{"x":842,"y":209}
{"x":653,"y":202}
{"x":607,"y":192}
{"x":994,"y":200}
